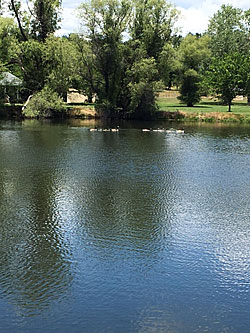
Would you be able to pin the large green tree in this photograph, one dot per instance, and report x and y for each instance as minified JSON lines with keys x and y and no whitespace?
{"x":140,"y":81}
{"x":229,"y":31}
{"x":45,"y":18}
{"x":87,"y":78}
{"x":153,"y":26}
{"x":168,"y":64}
{"x":22,"y":18}
{"x":41,"y":19}
{"x":142,"y":84}
{"x":60,"y":63}
{"x":229,"y":76}
{"x":193,"y":55}
{"x":31,"y":62}
{"x":105,"y":21}
{"x":8,"y":39}
{"x":36,"y":24}
{"x":153,"y":23}
{"x":131,"y":48}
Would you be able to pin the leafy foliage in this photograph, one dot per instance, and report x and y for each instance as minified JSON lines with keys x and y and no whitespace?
{"x":60,"y":62}
{"x":44,"y":104}
{"x":8,"y":39}
{"x":142,"y":84}
{"x":39,"y":21}
{"x":30,"y":58}
{"x":189,"y":90}
{"x":127,"y":51}
{"x":153,"y":24}
{"x":229,"y":31}
{"x":45,"y":18}
{"x":105,"y":21}
{"x":194,"y":52}
{"x":168,"y":64}
{"x":229,"y":76}
{"x":193,"y":56}
{"x":86,"y":76}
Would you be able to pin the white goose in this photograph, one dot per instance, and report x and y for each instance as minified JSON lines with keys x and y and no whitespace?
{"x":114,"y":129}
{"x":161,"y":130}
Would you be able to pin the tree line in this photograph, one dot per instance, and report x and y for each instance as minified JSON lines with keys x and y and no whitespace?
{"x":126,"y":51}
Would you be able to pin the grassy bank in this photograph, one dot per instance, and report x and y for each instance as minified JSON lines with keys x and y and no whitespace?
{"x":170,"y":108}
{"x":73,"y":110}
{"x":207,"y":110}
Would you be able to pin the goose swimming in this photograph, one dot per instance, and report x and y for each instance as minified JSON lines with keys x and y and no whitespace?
{"x":161,"y":130}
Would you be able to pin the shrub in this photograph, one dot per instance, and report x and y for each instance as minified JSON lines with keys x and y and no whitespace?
{"x":44,"y":103}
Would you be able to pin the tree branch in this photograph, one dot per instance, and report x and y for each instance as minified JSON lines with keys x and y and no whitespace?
{"x":18,"y":21}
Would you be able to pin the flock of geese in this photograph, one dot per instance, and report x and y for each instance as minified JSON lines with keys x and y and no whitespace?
{"x":161,"y":130}
{"x":104,"y":129}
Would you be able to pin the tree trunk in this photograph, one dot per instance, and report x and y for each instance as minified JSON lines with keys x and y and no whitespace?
{"x":248,"y":99}
{"x":18,"y":21}
{"x":229,"y":106}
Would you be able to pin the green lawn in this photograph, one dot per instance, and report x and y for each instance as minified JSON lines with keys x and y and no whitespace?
{"x":206,"y":105}
{"x":80,"y":105}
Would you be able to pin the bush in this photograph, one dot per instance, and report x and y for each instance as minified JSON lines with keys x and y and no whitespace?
{"x":45,"y":103}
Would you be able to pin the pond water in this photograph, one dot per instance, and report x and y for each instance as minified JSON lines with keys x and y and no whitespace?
{"x":124,"y":232}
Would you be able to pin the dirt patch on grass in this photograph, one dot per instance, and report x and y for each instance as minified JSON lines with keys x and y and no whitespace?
{"x":168,"y":94}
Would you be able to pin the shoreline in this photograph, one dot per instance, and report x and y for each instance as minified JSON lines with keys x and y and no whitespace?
{"x":215,"y":117}
{"x":89,"y":112}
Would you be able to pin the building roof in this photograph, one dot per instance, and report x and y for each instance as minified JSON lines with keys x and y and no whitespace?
{"x":8,"y":79}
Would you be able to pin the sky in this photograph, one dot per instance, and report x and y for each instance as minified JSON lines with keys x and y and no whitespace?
{"x":195,"y":14}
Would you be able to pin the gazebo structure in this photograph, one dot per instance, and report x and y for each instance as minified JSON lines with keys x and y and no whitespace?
{"x":11,"y":85}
